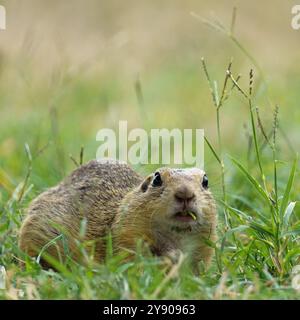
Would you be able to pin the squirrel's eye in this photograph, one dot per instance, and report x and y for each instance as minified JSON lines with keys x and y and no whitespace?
{"x":157,"y":182}
{"x":205,"y":182}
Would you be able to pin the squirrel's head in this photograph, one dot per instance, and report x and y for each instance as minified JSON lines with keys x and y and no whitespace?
{"x":177,"y":198}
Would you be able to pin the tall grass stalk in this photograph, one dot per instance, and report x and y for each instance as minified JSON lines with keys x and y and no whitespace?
{"x":218,"y":102}
{"x":229,"y":33}
{"x":253,"y":125}
{"x":277,"y":243}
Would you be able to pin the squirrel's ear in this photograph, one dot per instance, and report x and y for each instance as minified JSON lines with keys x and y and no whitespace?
{"x":146,"y":183}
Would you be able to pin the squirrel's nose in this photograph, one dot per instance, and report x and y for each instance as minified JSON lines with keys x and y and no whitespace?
{"x":184,"y":195}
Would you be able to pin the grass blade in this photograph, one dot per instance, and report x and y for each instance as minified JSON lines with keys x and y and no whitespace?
{"x":286,"y":196}
{"x":288,"y":212}
{"x":212,"y":150}
{"x":252,"y":180}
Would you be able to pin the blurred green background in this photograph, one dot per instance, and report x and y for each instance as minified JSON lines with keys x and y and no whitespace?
{"x":68,"y":69}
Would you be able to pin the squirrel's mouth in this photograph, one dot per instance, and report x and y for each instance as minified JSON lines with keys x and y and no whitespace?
{"x":185,"y":216}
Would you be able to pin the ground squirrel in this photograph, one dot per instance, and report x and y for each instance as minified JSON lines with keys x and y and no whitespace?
{"x":171,"y":210}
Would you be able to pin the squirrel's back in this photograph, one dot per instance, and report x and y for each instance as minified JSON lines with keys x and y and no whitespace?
{"x":91,"y":193}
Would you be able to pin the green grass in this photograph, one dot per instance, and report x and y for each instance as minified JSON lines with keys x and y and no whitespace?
{"x":254,"y":177}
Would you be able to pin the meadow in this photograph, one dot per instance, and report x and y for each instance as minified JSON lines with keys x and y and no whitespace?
{"x":234,"y":73}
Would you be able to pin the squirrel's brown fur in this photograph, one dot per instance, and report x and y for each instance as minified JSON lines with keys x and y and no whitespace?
{"x":111,"y":197}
